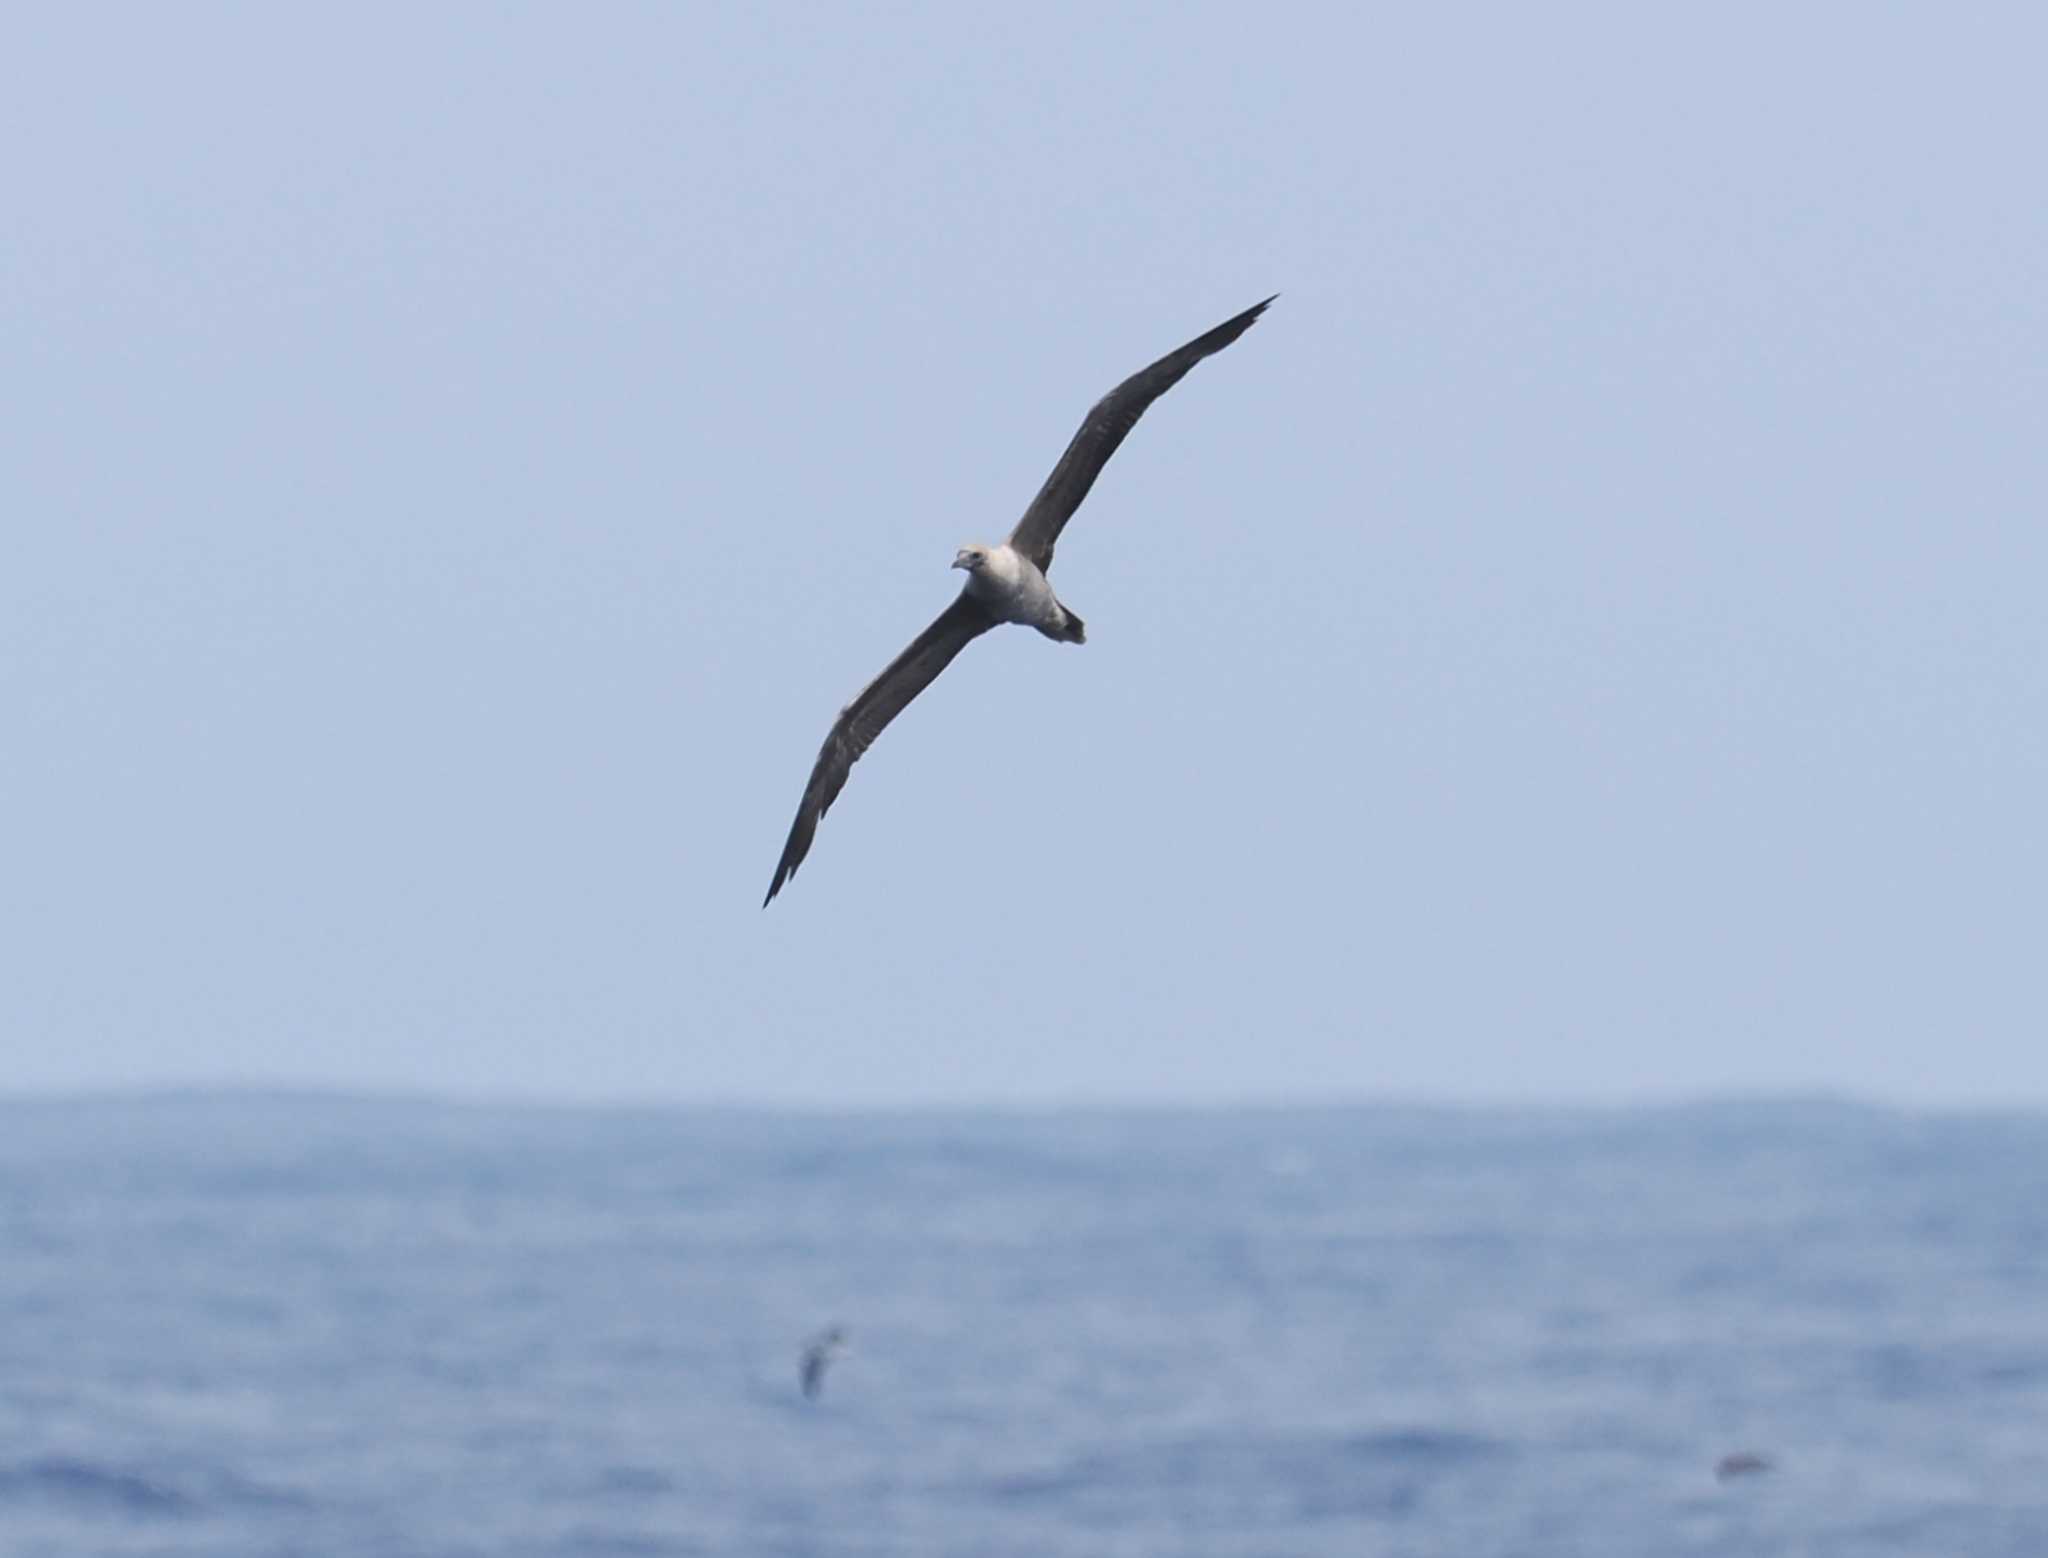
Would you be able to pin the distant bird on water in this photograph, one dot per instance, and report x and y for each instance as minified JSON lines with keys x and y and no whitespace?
{"x":1005,"y":583}
{"x":819,"y":1354}
{"x":1742,"y":1463}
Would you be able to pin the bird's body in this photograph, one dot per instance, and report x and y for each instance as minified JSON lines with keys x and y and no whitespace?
{"x":1012,"y":588}
{"x":1006,"y":583}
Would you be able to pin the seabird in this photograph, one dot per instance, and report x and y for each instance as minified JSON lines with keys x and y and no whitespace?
{"x":1005,"y":583}
{"x":819,"y":1354}
{"x":1742,"y":1463}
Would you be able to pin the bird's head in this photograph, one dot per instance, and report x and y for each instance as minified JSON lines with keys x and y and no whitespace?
{"x":973,"y":557}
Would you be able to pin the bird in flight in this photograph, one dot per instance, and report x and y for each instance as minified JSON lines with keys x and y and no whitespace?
{"x":1005,"y":583}
{"x":819,"y":1355}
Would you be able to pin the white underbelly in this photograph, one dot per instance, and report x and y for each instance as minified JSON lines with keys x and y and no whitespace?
{"x":1015,"y":591}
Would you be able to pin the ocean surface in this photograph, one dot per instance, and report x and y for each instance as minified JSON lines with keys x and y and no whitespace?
{"x":239,"y":1325}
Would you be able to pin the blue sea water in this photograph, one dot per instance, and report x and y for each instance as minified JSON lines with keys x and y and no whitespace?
{"x":255,"y":1325}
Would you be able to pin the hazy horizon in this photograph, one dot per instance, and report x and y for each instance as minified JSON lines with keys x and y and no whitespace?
{"x":1362,"y":1104}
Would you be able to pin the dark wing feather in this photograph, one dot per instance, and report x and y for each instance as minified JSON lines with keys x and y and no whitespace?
{"x":887,"y":696}
{"x":1105,"y":428}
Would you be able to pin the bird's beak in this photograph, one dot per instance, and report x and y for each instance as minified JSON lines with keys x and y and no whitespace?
{"x":960,"y":561}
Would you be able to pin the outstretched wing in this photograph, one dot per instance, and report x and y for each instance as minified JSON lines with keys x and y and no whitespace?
{"x":869,"y":714}
{"x":1105,"y":428}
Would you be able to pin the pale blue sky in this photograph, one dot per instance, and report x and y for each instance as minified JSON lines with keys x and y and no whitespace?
{"x":1585,"y":643}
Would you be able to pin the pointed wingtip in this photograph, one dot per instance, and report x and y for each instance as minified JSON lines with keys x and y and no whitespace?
{"x":1248,"y":318}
